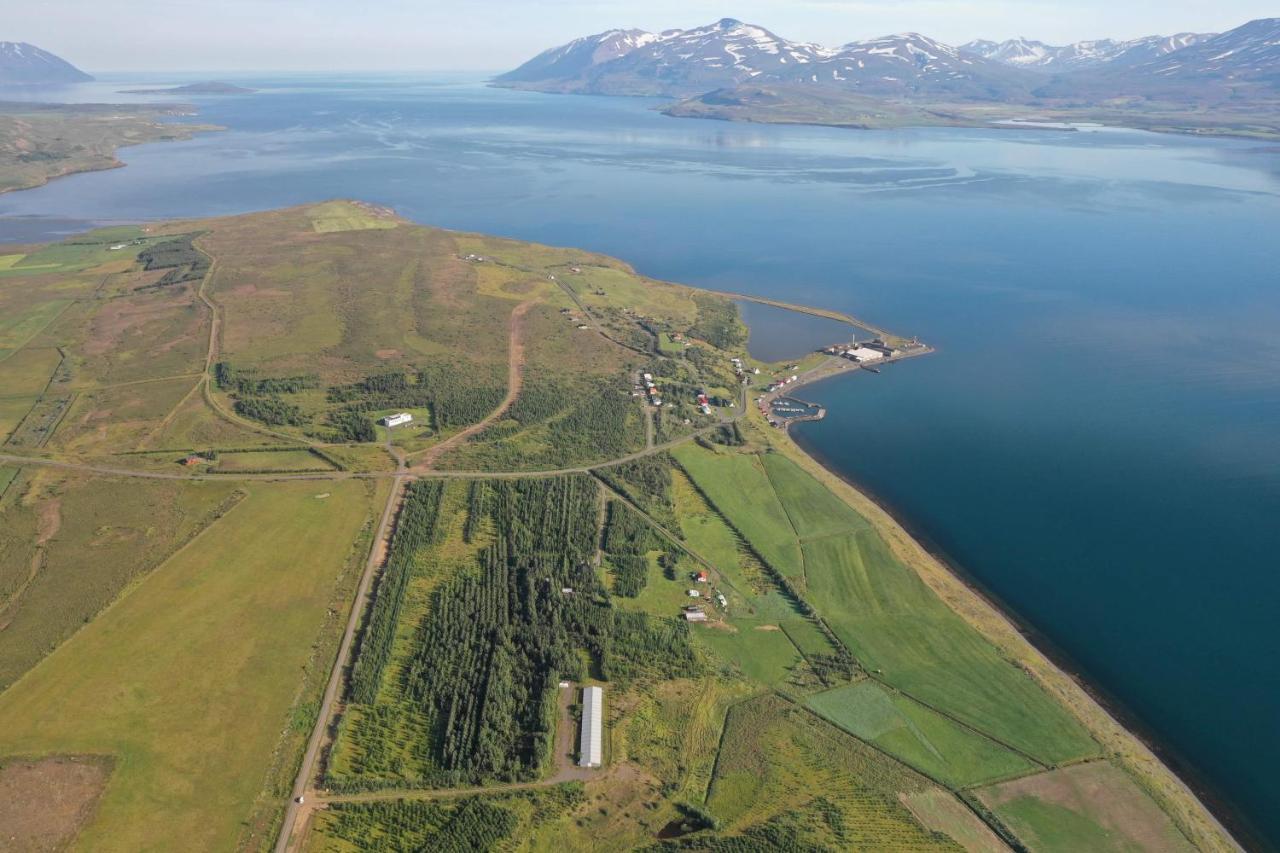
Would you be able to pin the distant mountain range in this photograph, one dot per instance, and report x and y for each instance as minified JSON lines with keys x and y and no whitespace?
{"x":1038,"y":56}
{"x":1191,"y":67}
{"x":683,"y":63}
{"x":26,"y":64}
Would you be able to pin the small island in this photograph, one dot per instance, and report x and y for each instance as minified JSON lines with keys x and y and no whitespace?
{"x":207,"y":87}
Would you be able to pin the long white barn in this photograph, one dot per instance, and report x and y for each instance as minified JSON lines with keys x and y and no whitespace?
{"x":591,"y":750}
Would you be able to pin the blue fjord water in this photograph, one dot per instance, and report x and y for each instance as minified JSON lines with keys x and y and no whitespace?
{"x":1096,"y":442}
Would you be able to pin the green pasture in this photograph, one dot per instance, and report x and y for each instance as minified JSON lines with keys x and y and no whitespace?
{"x":898,"y":628}
{"x":1093,"y":806}
{"x":738,"y":486}
{"x":188,"y":680}
{"x":919,"y":737}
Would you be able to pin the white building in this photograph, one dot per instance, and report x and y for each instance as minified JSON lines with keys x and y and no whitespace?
{"x":862,"y":354}
{"x":397,"y":420}
{"x":591,"y":749}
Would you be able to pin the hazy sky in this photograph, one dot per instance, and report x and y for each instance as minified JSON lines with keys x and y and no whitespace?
{"x":105,"y":35}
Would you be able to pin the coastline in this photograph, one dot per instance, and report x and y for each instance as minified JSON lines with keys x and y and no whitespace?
{"x":1121,"y":735}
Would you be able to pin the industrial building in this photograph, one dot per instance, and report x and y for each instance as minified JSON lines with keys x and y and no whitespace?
{"x":397,"y":420}
{"x":865,"y":354}
{"x":591,"y":748}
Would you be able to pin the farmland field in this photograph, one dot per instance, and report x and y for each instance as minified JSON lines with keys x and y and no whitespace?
{"x":888,"y":618}
{"x":27,"y":371}
{"x":1091,"y":806}
{"x":917,"y":736}
{"x":187,"y":681}
{"x":17,"y":329}
{"x":739,"y":488}
{"x":271,"y":460}
{"x":786,"y":779}
{"x":12,"y":411}
{"x":896,"y":625}
{"x":942,"y":812}
{"x":70,"y":544}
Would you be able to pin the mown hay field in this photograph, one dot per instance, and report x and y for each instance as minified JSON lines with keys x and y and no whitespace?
{"x":70,"y":544}
{"x":1093,"y":806}
{"x":188,"y":680}
{"x":934,"y":745}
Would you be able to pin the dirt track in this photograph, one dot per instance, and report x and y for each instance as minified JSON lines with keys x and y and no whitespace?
{"x":515,"y":381}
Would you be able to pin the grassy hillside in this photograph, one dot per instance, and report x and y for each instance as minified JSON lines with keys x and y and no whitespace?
{"x":39,"y":142}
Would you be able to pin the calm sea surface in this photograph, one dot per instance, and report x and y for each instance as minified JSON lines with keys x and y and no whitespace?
{"x":1097,"y":440}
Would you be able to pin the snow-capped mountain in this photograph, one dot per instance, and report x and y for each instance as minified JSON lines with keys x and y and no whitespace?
{"x":680,"y":63}
{"x":1247,"y":53}
{"x":913,"y":64}
{"x":580,"y":55}
{"x":1038,"y":56}
{"x":730,"y":53}
{"x":1239,"y":66}
{"x":22,"y":63}
{"x":675,"y":62}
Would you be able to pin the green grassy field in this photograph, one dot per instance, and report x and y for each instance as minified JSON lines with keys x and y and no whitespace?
{"x":341,"y":216}
{"x":885,"y":614}
{"x":271,"y":460}
{"x":12,"y":411}
{"x":811,"y":508}
{"x":19,"y":327}
{"x":738,"y":486}
{"x":188,"y":680}
{"x":927,"y":741}
{"x":785,"y":779}
{"x":1092,"y":806}
{"x":70,"y":544}
{"x":27,"y":371}
{"x":897,"y":626}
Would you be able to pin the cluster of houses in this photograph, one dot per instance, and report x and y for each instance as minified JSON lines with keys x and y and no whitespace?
{"x":740,"y":369}
{"x":696,"y":613}
{"x":473,"y":258}
{"x":779,"y":384}
{"x":862,"y":353}
{"x":651,"y":389}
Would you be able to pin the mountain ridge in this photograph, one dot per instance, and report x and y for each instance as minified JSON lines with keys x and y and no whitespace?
{"x":729,"y":52}
{"x":1080,"y":55}
{"x":1179,"y":76}
{"x":24,"y":64}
